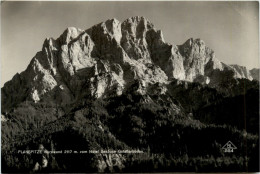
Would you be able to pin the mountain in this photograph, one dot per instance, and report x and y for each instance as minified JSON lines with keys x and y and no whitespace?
{"x":121,"y":86}
{"x":255,"y":73}
{"x":114,"y":54}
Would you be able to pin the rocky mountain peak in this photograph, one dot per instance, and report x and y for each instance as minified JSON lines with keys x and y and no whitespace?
{"x":109,"y":57}
{"x":69,"y":34}
{"x":197,"y":58}
{"x":136,"y":27}
{"x":241,"y":72}
{"x":136,"y":20}
{"x":255,"y":73}
{"x":196,"y":47}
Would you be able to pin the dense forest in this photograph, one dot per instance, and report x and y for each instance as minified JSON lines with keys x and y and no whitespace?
{"x":171,"y":135}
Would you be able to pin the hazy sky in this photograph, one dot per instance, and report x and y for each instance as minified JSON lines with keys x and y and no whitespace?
{"x":229,"y":28}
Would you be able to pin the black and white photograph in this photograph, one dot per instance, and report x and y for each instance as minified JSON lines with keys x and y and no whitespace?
{"x":129,"y":86}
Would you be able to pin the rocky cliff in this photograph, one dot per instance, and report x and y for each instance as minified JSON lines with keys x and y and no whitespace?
{"x":107,"y":58}
{"x":255,"y":73}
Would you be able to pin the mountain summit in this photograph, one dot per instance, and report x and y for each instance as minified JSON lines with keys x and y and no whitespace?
{"x":108,"y":57}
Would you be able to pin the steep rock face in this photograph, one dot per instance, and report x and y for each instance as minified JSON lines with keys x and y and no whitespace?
{"x":255,"y":73}
{"x":241,"y":72}
{"x":85,"y":62}
{"x":201,"y":65}
{"x":133,"y":41}
{"x":108,"y":58}
{"x":198,"y":59}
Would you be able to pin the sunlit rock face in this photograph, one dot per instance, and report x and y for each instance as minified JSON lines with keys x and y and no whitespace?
{"x":255,"y":73}
{"x":108,"y":58}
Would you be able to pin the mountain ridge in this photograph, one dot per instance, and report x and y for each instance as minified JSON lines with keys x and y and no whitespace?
{"x":125,"y":51}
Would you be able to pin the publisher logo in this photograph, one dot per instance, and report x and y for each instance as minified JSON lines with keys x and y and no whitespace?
{"x":229,"y":147}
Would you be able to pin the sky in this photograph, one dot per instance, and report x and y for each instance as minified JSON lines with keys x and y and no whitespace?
{"x":231,"y":28}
